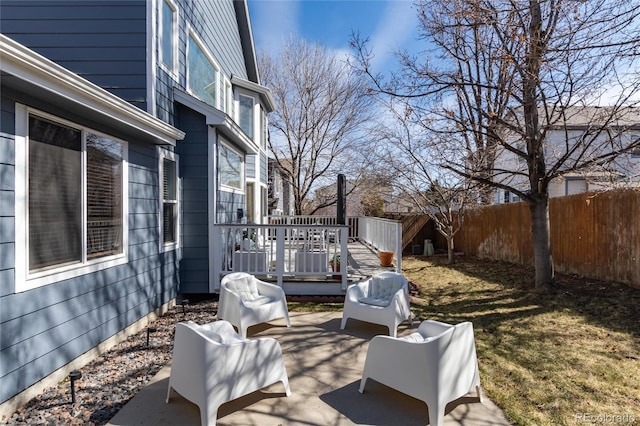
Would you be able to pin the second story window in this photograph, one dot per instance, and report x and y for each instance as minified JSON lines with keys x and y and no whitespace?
{"x":202,"y":73}
{"x":245,"y":114}
{"x":168,"y":35}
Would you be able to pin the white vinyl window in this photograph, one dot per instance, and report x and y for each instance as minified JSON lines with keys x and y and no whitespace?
{"x":71,"y":194}
{"x":245,"y":114}
{"x":169,"y":208}
{"x":230,"y":166}
{"x":202,"y":72}
{"x":168,"y":35}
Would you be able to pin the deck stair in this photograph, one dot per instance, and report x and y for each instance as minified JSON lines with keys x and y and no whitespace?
{"x":411,"y":226}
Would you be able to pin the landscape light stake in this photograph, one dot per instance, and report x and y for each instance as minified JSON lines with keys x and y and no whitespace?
{"x":73,"y":376}
{"x":149,"y":331}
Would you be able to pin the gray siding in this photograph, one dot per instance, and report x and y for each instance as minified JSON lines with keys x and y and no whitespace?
{"x":215,"y":23}
{"x":250,"y":166}
{"x":194,"y":171}
{"x":264,"y":171}
{"x":45,"y":328}
{"x":103,"y":41}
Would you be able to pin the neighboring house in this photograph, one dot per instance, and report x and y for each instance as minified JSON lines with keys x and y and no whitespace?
{"x":128,"y":128}
{"x":367,"y":199}
{"x":280,"y":191}
{"x":583,"y":123}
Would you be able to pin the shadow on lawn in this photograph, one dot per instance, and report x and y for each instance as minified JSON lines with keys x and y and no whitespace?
{"x":497,"y":292}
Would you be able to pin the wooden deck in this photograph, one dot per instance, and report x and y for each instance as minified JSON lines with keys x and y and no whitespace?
{"x":362,"y":263}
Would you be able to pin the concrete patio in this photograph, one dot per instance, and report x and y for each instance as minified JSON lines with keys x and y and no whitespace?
{"x":324,"y":365}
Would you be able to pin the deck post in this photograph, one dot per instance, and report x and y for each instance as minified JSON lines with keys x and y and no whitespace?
{"x":280,"y":238}
{"x":344,"y":254}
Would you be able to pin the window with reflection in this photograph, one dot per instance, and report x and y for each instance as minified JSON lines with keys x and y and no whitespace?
{"x":75,"y":194}
{"x":202,"y":73}
{"x":246,"y":114}
{"x":230,"y":166}
{"x":168,"y":34}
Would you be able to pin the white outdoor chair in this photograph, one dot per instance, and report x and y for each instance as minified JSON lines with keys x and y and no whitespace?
{"x":212,"y":365}
{"x":382,"y":299}
{"x":246,"y":301}
{"x":437,"y":365}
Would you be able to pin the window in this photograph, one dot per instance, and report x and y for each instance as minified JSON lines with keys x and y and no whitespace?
{"x":168,"y":200}
{"x":72,"y":193}
{"x":202,"y":73}
{"x":246,"y":114}
{"x":230,"y":166}
{"x":168,"y":35}
{"x":635,"y":152}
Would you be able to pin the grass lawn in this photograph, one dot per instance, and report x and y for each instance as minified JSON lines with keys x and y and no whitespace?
{"x":571,"y":356}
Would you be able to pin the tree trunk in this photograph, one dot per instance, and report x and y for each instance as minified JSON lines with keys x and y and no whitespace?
{"x":541,"y":236}
{"x":450,"y":248}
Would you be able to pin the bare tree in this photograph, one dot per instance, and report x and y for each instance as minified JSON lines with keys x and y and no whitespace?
{"x":414,"y":156}
{"x":549,"y":62}
{"x":318,"y":128}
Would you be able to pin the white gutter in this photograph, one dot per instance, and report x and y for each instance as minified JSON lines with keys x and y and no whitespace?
{"x":27,"y":65}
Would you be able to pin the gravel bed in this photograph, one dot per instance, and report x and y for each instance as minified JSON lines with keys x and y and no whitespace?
{"x":111,"y":380}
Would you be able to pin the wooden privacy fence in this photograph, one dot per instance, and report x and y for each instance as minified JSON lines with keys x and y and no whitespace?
{"x":594,"y":234}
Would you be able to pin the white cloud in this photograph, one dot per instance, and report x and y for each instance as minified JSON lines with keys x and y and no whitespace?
{"x":396,"y":28}
{"x":273,"y":23}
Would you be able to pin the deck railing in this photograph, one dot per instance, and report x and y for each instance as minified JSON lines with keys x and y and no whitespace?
{"x":281,"y":252}
{"x":298,"y":248}
{"x":383,"y":235}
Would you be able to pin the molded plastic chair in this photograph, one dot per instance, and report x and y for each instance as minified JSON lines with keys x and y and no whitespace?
{"x":246,"y":301}
{"x":437,"y":365}
{"x":212,"y":365}
{"x":382,"y":299}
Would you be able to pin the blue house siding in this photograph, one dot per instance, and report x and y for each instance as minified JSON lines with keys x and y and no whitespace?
{"x":215,"y":23}
{"x":7,"y":198}
{"x":7,"y":213}
{"x":194,"y":172}
{"x":228,"y":205}
{"x":103,"y":41}
{"x":45,"y":328}
{"x":264,"y":170}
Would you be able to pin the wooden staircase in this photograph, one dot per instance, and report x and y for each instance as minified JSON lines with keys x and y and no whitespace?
{"x":412,"y":224}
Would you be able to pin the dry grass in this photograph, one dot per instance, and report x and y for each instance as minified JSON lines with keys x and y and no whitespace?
{"x":567,"y":357}
{"x":570,"y":356}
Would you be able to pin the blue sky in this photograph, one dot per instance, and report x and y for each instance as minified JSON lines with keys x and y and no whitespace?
{"x":390,"y":24}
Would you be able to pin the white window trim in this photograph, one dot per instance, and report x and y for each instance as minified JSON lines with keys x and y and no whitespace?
{"x":228,"y":95}
{"x":174,"y":49}
{"x":243,"y":179}
{"x":173,"y":245}
{"x":210,"y":58}
{"x":25,"y":280}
